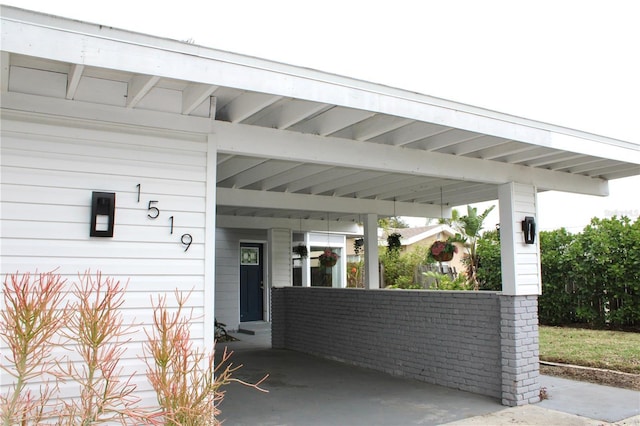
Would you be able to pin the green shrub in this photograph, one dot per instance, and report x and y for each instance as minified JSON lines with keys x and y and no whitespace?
{"x":556,"y":305}
{"x":489,"y":263}
{"x":592,"y":277}
{"x":445,"y":282}
{"x":605,"y":270}
{"x":399,"y":268}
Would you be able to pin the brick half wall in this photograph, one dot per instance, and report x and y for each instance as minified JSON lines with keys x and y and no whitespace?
{"x":446,"y":338}
{"x":520,"y":350}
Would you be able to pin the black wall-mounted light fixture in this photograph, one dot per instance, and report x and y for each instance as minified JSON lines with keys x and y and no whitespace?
{"x":529,"y":229}
{"x":103,"y":211}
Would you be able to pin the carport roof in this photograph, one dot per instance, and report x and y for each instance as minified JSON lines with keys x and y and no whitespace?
{"x":308,"y":139}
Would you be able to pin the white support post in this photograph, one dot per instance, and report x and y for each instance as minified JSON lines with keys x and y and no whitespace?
{"x":520,"y":261}
{"x":306,"y":264}
{"x":372,"y":275}
{"x":210,"y":244}
{"x":279,"y":261}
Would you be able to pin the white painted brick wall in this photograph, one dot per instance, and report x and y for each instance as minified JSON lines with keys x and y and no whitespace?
{"x":519,"y":340}
{"x":446,"y":338}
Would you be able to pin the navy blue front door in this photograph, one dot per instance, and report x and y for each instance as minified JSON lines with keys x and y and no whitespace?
{"x":251,"y":282}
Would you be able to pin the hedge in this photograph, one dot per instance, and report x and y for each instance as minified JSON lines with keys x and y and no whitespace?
{"x":592,"y":277}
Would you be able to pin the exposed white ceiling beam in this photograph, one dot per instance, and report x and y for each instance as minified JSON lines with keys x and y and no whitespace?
{"x":372,"y":127}
{"x":501,"y":150}
{"x":194,"y":94}
{"x":553,"y":159}
{"x":337,"y":183}
{"x":288,"y":113}
{"x":331,"y":121}
{"x":296,"y":112}
{"x":614,"y":170}
{"x":329,"y":173}
{"x":411,"y":190}
{"x":300,"y":171}
{"x":245,"y":105}
{"x":138,"y":88}
{"x":390,"y":188}
{"x":263,"y":116}
{"x":412,"y":132}
{"x":235,"y":165}
{"x":270,"y":143}
{"x":568,"y":164}
{"x":479,"y":195}
{"x":363,"y":181}
{"x":532,"y":153}
{"x":593,"y":168}
{"x":319,"y":203}
{"x":73,"y":79}
{"x":479,"y":143}
{"x":257,"y":173}
{"x":622,"y":173}
{"x":447,"y":191}
{"x":446,"y":139}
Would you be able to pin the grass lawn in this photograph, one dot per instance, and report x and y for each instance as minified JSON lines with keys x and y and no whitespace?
{"x":614,"y":350}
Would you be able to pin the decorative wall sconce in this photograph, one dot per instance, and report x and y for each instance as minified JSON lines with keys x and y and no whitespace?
{"x":529,"y":229}
{"x":103,"y":209}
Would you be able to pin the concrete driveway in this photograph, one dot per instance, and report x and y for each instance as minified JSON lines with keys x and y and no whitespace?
{"x":307,"y":390}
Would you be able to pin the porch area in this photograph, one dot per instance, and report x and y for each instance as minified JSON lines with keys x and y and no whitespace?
{"x":480,"y":342}
{"x":309,"y":390}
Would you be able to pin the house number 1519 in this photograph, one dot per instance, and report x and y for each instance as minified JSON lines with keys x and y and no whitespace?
{"x":153,"y":212}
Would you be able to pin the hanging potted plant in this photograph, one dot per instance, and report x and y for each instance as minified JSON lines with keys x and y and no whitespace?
{"x":328,"y":258}
{"x":442,"y":251}
{"x":301,"y":250}
{"x":358,"y":245}
{"x":393,"y":242}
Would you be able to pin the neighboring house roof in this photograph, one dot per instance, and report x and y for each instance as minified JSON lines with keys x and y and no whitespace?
{"x":409,"y":236}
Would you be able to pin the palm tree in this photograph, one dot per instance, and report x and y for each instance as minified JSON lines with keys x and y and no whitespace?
{"x":469,"y":227}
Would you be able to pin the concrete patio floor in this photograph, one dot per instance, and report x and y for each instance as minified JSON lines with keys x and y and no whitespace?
{"x":307,"y":390}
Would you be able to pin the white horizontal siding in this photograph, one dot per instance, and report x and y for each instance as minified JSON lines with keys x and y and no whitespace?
{"x":280,"y":257}
{"x":520,"y":261}
{"x":50,"y":168}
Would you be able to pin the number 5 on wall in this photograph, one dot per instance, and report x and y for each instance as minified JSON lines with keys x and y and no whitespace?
{"x":154,"y":212}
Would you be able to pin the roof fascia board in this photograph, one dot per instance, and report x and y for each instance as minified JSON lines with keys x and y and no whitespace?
{"x":285,"y":145}
{"x":39,"y":35}
{"x":320,"y":203}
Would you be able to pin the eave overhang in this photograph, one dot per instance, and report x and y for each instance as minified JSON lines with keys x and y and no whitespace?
{"x":295,"y":132}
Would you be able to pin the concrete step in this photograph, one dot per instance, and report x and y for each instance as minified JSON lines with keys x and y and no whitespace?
{"x":255,"y":327}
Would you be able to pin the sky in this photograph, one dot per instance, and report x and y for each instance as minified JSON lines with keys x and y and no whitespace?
{"x":572,"y":63}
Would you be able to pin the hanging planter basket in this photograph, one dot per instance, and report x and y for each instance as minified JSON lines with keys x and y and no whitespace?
{"x":443,"y":257}
{"x":328,"y":259}
{"x":443,"y":251}
{"x":328,"y":263}
{"x":301,"y":250}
